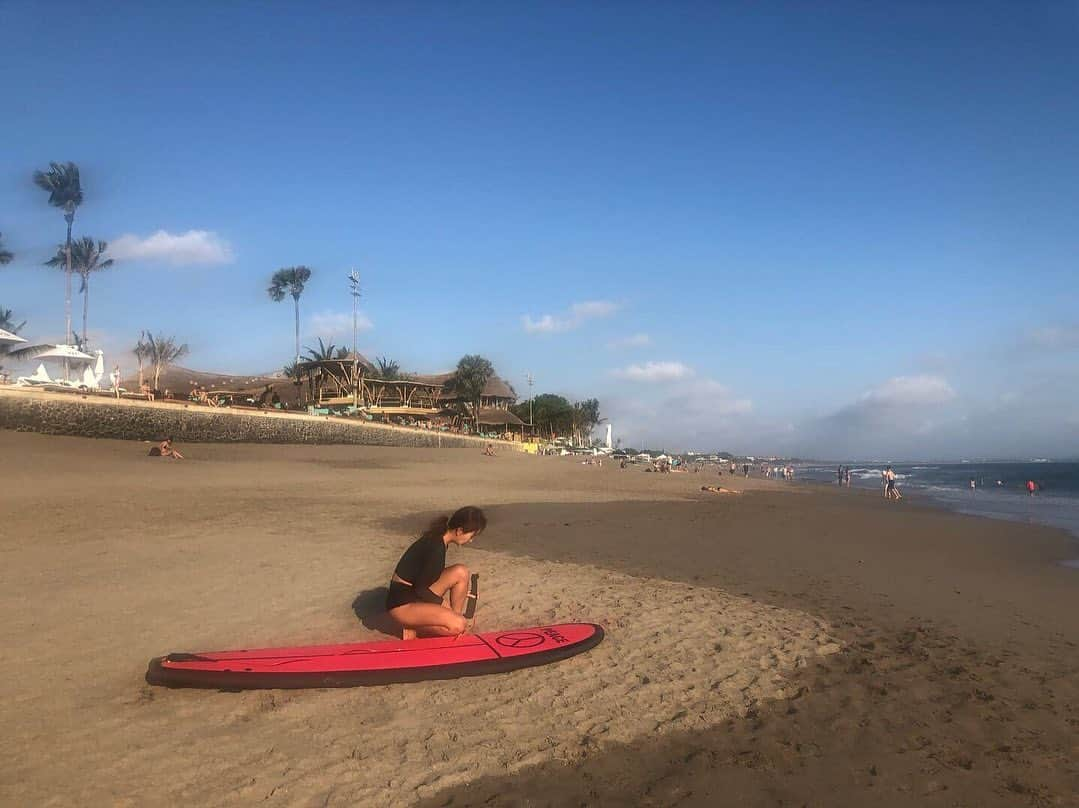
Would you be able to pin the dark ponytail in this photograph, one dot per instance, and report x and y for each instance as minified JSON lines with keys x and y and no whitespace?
{"x":469,"y":519}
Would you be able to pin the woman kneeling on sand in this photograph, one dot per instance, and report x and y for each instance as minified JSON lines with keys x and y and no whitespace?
{"x":421,"y":581}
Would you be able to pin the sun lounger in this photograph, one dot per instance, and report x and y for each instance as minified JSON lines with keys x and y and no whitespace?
{"x":40,"y":377}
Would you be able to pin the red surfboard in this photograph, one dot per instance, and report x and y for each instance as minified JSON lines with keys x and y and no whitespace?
{"x":375,"y":663}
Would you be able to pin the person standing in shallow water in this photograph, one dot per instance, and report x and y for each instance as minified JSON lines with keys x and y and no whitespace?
{"x":422,"y":583}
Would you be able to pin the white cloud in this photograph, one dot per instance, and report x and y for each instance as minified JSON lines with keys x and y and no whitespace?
{"x":337,"y":323}
{"x":654,"y":372}
{"x":707,"y":397}
{"x":905,"y":416}
{"x":910,"y":391}
{"x":687,"y":413}
{"x":632,"y":341}
{"x":192,"y":247}
{"x":544,"y":325}
{"x":593,"y":308}
{"x":577,"y":315}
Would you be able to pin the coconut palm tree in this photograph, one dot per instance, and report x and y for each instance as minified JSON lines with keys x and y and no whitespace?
{"x":290,"y":281}
{"x":87,"y":256}
{"x":388,"y":369}
{"x":142,"y":352}
{"x":585,"y":419}
{"x":7,"y":322}
{"x":5,"y":255}
{"x":473,"y":373}
{"x":161,"y":351}
{"x":65,"y":191}
{"x":323,"y":353}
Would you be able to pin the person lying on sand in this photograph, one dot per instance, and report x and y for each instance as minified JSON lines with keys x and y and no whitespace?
{"x":164,"y":449}
{"x":718,"y":489}
{"x":421,"y":580}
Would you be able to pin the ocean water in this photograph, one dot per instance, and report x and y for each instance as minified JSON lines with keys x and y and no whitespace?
{"x":1000,"y":488}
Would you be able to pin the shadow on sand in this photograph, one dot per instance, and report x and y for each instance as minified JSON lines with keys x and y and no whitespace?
{"x":370,"y":609}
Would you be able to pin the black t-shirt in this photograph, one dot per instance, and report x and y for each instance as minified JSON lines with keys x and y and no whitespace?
{"x":421,"y":565}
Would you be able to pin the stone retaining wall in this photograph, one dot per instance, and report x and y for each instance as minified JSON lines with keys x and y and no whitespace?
{"x":93,"y":417}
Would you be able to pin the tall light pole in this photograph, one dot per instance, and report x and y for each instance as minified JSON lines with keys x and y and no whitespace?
{"x":531,"y":417}
{"x":354,"y":290}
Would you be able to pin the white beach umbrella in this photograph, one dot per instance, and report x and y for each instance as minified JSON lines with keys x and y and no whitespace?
{"x":7,"y":338}
{"x":60,"y":353}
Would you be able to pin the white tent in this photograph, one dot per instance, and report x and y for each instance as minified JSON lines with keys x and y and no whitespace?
{"x":91,"y":376}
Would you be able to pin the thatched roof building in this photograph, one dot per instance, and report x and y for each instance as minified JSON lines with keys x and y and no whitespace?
{"x":180,"y":382}
{"x":497,"y":394}
{"x":343,"y":382}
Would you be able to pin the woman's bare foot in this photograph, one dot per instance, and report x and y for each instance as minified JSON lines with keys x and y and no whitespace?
{"x":408,"y":634}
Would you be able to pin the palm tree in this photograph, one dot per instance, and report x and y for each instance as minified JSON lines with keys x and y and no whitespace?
{"x":586,"y":418}
{"x":473,"y":373}
{"x":5,"y":256}
{"x":388,"y":369}
{"x":290,"y":281}
{"x":65,"y":191}
{"x":7,"y":322}
{"x":322,"y":353}
{"x":86,"y":256}
{"x":162,"y":351}
{"x":142,"y":352}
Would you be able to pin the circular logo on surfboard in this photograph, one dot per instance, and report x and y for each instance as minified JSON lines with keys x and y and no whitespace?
{"x":519,"y":639}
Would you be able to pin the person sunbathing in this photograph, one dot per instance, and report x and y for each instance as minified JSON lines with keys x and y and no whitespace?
{"x":164,"y":449}
{"x":718,"y":489}
{"x":422,"y":582}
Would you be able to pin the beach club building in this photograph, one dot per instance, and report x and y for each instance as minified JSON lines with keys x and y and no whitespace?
{"x":330,"y":384}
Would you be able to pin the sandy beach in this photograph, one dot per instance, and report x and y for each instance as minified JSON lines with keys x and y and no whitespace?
{"x":795,"y":645}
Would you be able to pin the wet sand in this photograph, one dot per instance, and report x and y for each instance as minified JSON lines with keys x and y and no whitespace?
{"x":792,"y":646}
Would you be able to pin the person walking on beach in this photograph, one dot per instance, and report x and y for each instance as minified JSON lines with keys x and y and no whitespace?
{"x":972,"y":485}
{"x":1031,"y":487}
{"x":884,"y":483}
{"x":891,"y":491}
{"x":745,"y":469}
{"x":114,"y":379}
{"x":422,"y":582}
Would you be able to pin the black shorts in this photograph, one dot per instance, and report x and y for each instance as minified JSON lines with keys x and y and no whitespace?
{"x":399,"y":595}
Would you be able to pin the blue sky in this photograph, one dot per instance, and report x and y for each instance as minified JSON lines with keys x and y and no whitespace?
{"x":831,"y":229}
